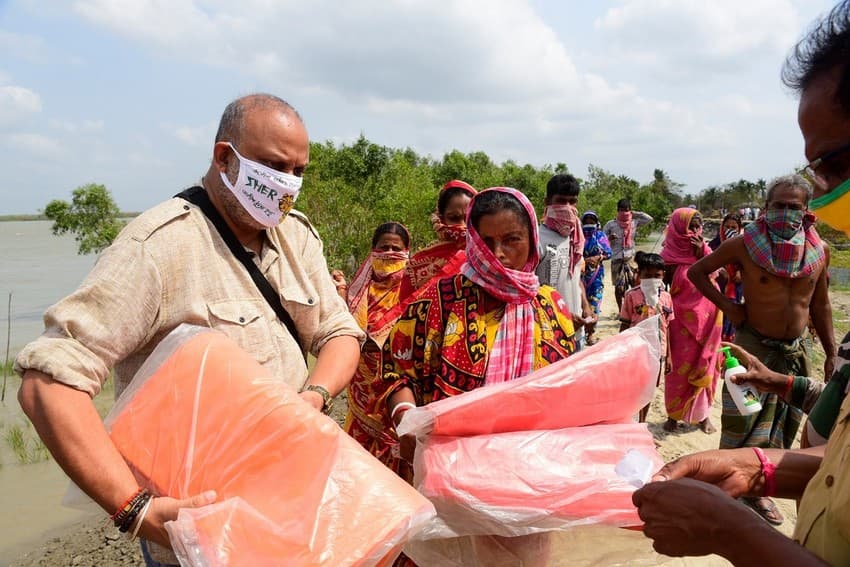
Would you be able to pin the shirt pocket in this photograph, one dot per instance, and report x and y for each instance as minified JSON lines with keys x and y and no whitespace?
{"x":244,"y":322}
{"x":839,"y":479}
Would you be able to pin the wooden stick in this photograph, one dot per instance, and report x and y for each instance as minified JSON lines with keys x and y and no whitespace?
{"x":8,"y":336}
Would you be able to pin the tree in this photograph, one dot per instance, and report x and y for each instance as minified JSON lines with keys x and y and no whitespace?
{"x":91,"y":216}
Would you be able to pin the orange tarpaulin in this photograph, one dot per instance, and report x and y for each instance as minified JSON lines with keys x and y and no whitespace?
{"x":293,"y":488}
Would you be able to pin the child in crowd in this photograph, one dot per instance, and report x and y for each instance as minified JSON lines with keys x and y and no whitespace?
{"x":647,"y":299}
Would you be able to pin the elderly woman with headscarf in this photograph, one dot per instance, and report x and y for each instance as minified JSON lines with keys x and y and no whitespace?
{"x":372,"y":298}
{"x":446,"y":256}
{"x":694,"y":334}
{"x":490,"y":323}
{"x":596,"y":250}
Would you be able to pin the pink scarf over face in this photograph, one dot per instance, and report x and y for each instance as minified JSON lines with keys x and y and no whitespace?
{"x":512,"y":353}
{"x":678,"y":248}
{"x":564,"y":220}
{"x":624,"y":219}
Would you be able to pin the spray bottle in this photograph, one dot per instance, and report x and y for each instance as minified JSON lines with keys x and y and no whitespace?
{"x":746,"y":397}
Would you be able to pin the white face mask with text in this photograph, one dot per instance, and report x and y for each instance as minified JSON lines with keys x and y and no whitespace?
{"x":267,"y":194}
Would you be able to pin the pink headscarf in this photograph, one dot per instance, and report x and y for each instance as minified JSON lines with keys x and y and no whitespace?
{"x":678,"y":248}
{"x":512,"y":354}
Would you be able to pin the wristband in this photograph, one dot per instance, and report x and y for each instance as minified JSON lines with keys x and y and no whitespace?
{"x":399,"y":406}
{"x":125,"y":508}
{"x":788,"y":386}
{"x":768,"y":469}
{"x":322,"y":391}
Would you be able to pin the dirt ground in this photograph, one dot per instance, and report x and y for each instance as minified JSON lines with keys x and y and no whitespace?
{"x":92,"y":542}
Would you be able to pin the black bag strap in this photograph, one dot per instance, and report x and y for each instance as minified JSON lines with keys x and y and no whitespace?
{"x":198,"y":196}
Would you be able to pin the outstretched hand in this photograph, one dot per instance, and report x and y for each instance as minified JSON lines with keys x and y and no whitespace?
{"x":737,"y":472}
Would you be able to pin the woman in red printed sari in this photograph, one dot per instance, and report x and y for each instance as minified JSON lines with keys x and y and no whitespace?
{"x":373,"y":293}
{"x":695,"y":332}
{"x":490,"y":323}
{"x":446,"y":256}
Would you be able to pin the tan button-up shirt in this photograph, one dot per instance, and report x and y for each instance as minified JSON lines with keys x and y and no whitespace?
{"x":823,"y":522}
{"x":170,"y":266}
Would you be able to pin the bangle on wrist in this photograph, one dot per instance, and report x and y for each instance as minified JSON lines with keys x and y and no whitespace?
{"x":141,"y":519}
{"x":401,"y":406}
{"x":788,"y":386}
{"x":768,"y":470}
{"x":322,"y":391}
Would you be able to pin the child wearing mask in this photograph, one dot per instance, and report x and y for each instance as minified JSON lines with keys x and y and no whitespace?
{"x":647,"y":299}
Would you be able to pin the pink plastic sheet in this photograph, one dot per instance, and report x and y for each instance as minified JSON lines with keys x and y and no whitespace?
{"x":509,"y":467}
{"x":524,"y":482}
{"x":293,"y":488}
{"x":606,"y":383}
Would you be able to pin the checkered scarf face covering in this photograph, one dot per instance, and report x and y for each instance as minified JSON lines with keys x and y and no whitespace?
{"x":796,"y":257}
{"x":512,"y":353}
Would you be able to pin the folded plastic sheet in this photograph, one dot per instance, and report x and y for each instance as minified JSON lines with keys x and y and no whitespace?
{"x":518,"y":483}
{"x":514,"y":467}
{"x":606,"y":383}
{"x":293,"y":488}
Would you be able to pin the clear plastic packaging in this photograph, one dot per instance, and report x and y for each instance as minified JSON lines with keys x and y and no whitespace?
{"x":523,"y":482}
{"x":293,"y":488}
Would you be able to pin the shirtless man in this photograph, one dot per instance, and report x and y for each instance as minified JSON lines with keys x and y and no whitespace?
{"x":783,"y":271}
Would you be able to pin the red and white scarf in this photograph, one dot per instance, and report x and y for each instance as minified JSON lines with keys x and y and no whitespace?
{"x":512,"y":353}
{"x":564,"y":220}
{"x":624,"y":219}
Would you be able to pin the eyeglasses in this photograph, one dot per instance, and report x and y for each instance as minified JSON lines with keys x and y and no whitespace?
{"x":821,"y":169}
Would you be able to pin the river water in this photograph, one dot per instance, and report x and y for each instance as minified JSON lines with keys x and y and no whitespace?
{"x":38,"y":268}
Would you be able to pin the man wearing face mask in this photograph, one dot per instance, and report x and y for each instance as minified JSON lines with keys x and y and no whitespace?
{"x":188,"y":260}
{"x":691,"y":509}
{"x":621,"y":233}
{"x":562,"y":250}
{"x":783,"y":274}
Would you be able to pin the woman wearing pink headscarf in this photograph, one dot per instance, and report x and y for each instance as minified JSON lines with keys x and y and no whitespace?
{"x":484,"y":325}
{"x":695,"y":332}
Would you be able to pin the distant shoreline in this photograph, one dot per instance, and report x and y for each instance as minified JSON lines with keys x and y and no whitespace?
{"x":40,"y":217}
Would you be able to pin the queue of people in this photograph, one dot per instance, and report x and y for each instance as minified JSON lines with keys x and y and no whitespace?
{"x":499,"y":295}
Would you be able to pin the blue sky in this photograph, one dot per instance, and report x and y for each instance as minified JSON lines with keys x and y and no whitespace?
{"x":128,"y":92}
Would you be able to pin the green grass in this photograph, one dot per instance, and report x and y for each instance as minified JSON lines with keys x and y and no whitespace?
{"x":839,"y":258}
{"x":26,"y":445}
{"x":26,"y":448}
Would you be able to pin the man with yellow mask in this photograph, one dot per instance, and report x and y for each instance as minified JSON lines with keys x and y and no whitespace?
{"x":691,"y":508}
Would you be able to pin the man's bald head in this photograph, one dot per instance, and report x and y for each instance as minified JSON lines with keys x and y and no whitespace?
{"x":233,"y":120}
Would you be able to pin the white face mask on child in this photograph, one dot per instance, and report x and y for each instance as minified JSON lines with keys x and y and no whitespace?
{"x":651,"y":288}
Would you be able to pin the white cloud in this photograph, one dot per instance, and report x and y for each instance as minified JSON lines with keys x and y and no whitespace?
{"x":82,"y":127}
{"x":17,"y":103}
{"x":27,"y":47}
{"x":681,"y":37}
{"x":193,"y":135}
{"x":34,"y":144}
